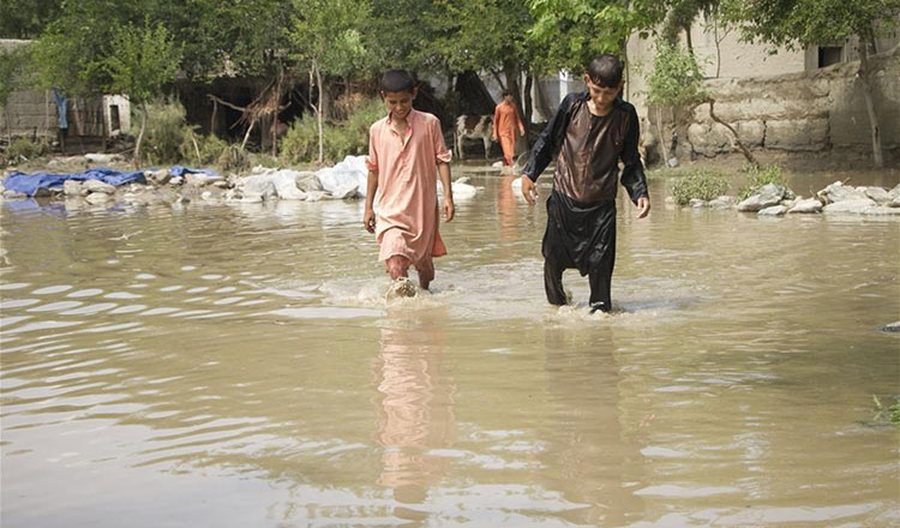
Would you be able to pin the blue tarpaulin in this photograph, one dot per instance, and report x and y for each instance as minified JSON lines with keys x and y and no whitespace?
{"x":29,"y":184}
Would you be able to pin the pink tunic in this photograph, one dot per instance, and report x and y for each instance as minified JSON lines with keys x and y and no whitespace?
{"x":407,"y":208}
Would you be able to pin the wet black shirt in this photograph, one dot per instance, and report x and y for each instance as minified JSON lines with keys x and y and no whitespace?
{"x":588,"y":149}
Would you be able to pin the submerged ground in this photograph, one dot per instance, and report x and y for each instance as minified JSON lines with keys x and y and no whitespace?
{"x":236,"y":365}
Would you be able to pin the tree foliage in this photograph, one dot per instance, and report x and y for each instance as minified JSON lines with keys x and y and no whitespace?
{"x":13,"y":70}
{"x":798,"y":23}
{"x":25,"y":19}
{"x":143,"y":59}
{"x":676,"y":79}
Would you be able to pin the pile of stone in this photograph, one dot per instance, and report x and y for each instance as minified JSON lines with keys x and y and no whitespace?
{"x":344,"y":181}
{"x":837,"y":198}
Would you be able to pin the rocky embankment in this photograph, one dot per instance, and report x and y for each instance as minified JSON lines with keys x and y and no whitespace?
{"x":836,"y":198}
{"x":344,"y":181}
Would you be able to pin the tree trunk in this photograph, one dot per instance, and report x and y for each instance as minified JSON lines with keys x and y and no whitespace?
{"x":474,"y":97}
{"x":277,"y":104}
{"x":512,"y":73}
{"x":320,"y":118}
{"x":750,"y":158}
{"x":662,"y":137}
{"x":527,"y":103}
{"x":864,"y":79}
{"x":140,"y":138}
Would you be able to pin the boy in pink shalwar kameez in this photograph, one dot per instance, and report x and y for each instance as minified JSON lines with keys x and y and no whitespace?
{"x":406,"y":154}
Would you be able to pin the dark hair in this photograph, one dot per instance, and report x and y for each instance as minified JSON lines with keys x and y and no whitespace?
{"x":397,"y":81}
{"x":605,"y":70}
{"x":507,"y":92}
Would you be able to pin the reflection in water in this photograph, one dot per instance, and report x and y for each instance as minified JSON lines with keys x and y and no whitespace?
{"x":415,"y":411}
{"x":508,"y":209}
{"x":591,"y":458}
{"x":244,"y":356}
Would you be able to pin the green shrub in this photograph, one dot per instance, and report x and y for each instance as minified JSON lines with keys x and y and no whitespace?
{"x":233,"y":158}
{"x":701,"y":184}
{"x":166,"y":129}
{"x":757,"y":176}
{"x":200,"y":149}
{"x":24,"y":149}
{"x":889,"y":414}
{"x":340,"y":139}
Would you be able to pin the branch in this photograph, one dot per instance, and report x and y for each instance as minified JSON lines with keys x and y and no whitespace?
{"x":737,"y":139}
{"x":226,"y":103}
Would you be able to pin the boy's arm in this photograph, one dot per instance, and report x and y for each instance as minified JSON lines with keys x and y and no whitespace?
{"x":546,"y":148}
{"x":548,"y":142}
{"x":448,"y":207}
{"x":633,"y":178}
{"x":371,"y":189}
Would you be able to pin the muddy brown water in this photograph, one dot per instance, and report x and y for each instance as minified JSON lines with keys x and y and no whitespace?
{"x":236,"y":365}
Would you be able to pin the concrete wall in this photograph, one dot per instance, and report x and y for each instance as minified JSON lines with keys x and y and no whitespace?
{"x":816,"y":111}
{"x":777,"y":99}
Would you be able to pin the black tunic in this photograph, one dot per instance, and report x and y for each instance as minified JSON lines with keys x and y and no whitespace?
{"x":581,"y":211}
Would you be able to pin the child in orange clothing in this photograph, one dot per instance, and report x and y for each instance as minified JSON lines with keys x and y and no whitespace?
{"x":406,"y":155}
{"x":506,"y":121}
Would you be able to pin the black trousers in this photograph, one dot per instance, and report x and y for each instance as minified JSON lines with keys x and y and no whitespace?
{"x":583,"y":237}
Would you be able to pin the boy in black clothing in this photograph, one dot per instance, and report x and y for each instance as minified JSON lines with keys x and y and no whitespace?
{"x":590,"y":132}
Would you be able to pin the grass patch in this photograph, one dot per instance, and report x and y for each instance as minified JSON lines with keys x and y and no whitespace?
{"x":701,"y":184}
{"x":887,"y":414}
{"x":758,"y":176}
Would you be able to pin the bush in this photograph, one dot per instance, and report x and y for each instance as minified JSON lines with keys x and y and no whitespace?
{"x":233,"y":158}
{"x":701,"y":184}
{"x":757,"y":176}
{"x":166,"y":129}
{"x":200,"y":149}
{"x":25,"y":149}
{"x":340,"y":139}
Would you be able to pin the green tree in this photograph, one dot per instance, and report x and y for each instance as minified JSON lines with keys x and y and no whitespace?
{"x":328,"y":39}
{"x":143,"y":60}
{"x":801,"y":23}
{"x":571,"y":32}
{"x":26,"y":19}
{"x":13,"y":71}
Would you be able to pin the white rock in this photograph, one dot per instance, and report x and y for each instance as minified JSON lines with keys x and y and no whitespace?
{"x":838,"y":192}
{"x":879,"y":195}
{"x":257,"y":187}
{"x":72,"y":188}
{"x":808,"y":205}
{"x":97,"y":198}
{"x":775,"y":210}
{"x":722,"y":202}
{"x":158,"y":177}
{"x":864,"y":206}
{"x":200,"y":179}
{"x":697,"y":203}
{"x":97,"y":186}
{"x":895,"y":192}
{"x":351,"y":190}
{"x":100,"y":157}
{"x":177,"y":180}
{"x":352,"y":170}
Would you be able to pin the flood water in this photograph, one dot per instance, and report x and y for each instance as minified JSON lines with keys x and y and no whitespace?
{"x":237,"y":365}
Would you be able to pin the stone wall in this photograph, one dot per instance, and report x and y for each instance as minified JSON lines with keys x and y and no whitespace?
{"x":800,"y":112}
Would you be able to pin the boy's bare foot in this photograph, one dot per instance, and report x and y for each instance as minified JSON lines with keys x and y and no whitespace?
{"x":402,"y":287}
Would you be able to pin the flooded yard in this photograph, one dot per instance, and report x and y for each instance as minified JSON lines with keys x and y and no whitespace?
{"x":237,"y":365}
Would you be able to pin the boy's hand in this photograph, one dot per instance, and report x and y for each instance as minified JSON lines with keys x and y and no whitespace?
{"x":369,"y":220}
{"x":449,"y":210}
{"x":643,"y":204}
{"x":528,"y":190}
